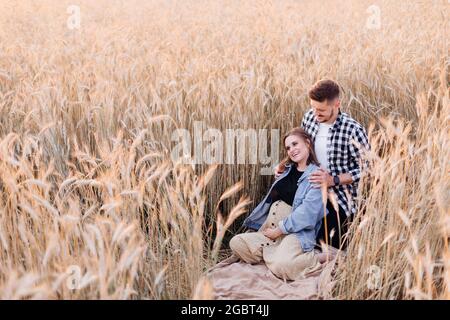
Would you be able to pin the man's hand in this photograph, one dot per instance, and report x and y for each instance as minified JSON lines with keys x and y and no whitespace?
{"x":321,"y":176}
{"x":278,"y":171}
{"x":272,"y":233}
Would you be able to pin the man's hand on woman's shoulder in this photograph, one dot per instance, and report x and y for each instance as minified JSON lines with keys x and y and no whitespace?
{"x":278,"y":170}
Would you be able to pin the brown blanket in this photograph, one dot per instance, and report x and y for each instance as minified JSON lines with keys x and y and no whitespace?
{"x":234,"y":279}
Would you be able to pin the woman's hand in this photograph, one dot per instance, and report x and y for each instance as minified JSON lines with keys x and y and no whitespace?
{"x":272,"y":233}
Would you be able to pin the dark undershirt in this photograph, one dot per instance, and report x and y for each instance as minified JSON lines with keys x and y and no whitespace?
{"x":285,"y":189}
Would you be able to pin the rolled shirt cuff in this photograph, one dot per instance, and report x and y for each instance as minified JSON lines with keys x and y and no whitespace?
{"x":281,"y":226}
{"x":355,"y":174}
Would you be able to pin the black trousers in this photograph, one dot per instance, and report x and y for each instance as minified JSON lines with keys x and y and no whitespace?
{"x":337,"y":240}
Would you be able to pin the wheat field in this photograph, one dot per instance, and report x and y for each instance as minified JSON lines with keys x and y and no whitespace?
{"x":93,"y":207}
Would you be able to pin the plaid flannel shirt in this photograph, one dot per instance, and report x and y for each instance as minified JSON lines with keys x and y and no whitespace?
{"x":345,"y":142}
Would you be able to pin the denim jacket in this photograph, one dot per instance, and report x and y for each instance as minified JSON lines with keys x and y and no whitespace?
{"x":307,"y":210}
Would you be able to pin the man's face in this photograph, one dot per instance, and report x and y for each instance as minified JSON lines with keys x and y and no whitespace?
{"x":326,"y":110}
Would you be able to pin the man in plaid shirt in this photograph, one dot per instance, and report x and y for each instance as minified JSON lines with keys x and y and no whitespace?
{"x":339,"y":142}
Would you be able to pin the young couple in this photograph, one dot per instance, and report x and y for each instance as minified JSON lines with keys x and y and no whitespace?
{"x":289,"y":221}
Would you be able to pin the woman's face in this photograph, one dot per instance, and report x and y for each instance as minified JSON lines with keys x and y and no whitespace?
{"x":296,"y":148}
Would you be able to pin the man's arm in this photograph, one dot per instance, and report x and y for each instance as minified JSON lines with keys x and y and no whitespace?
{"x":358,"y":145}
{"x":317,"y":177}
{"x":344,"y":178}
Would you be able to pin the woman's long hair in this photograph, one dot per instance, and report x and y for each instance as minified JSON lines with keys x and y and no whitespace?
{"x":299,"y":132}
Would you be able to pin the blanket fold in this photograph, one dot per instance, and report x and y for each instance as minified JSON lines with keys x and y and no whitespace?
{"x":233,"y":279}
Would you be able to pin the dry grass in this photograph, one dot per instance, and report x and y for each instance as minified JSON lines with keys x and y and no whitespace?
{"x":404,"y":229}
{"x":86,"y":118}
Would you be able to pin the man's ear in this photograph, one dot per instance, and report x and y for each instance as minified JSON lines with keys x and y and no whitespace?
{"x":338,"y":103}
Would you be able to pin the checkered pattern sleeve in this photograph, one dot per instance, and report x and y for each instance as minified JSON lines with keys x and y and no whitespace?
{"x":359,"y":143}
{"x":304,"y":121}
{"x":309,"y":124}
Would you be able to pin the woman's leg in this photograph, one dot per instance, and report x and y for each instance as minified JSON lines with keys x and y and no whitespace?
{"x":288,"y":261}
{"x":248,"y":246}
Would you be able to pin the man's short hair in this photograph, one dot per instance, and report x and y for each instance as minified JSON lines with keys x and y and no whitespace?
{"x":324,"y":90}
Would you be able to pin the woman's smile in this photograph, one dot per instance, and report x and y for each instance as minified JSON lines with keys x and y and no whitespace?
{"x":296,"y":155}
{"x":296,"y":148}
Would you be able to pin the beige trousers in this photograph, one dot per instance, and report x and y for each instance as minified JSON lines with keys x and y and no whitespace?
{"x":283,"y":256}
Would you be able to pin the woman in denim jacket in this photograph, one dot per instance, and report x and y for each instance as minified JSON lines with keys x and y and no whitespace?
{"x":288,"y":218}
